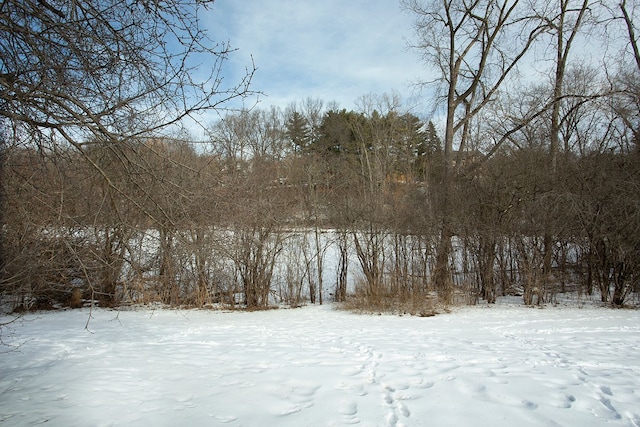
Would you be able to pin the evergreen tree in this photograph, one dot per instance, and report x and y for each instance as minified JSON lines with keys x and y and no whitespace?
{"x":338,"y":132}
{"x":432,"y":144}
{"x":431,"y":154}
{"x":298,"y":132}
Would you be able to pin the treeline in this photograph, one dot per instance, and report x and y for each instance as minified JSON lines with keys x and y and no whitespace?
{"x":525,"y":183}
{"x":251,"y":215}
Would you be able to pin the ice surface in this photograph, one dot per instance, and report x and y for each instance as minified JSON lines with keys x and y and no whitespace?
{"x":315,"y":366}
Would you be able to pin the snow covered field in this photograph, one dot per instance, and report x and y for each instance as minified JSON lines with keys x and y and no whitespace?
{"x":478,"y":366}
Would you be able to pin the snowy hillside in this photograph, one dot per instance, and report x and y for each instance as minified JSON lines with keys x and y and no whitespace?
{"x":315,"y":366}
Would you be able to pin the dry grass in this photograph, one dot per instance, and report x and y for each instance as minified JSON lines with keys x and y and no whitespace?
{"x":403,"y":303}
{"x":75,"y":300}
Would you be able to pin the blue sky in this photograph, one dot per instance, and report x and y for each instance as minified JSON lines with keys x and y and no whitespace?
{"x":334,"y":50}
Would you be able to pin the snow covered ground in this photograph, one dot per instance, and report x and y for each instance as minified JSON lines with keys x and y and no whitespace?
{"x":503,"y":365}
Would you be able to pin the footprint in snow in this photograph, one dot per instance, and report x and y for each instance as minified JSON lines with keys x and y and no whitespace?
{"x":356,"y":388}
{"x":392,"y":420}
{"x":349,"y":411}
{"x":393,"y":400}
{"x":422,"y":384}
{"x":225,"y":419}
{"x":348,"y":408}
{"x":607,"y":404}
{"x":388,"y":399}
{"x":292,"y":410}
{"x":565,"y":401}
{"x":606,"y":390}
{"x":404,"y":410}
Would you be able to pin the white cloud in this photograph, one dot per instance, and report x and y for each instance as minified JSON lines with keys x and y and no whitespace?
{"x":333,"y":50}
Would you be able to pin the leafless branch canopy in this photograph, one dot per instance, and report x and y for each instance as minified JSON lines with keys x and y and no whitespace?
{"x":108,"y":67}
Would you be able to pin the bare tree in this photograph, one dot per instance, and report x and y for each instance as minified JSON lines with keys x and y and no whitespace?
{"x":565,"y":23}
{"x":93,"y":67}
{"x":626,"y":103}
{"x":90,"y":72}
{"x":474,"y":47}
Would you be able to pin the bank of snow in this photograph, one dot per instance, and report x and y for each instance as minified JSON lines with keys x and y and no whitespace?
{"x":315,"y":366}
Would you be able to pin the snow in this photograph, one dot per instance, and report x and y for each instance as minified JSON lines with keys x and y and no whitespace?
{"x":502,"y":365}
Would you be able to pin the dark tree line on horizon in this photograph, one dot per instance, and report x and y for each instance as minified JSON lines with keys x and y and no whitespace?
{"x":522,"y":188}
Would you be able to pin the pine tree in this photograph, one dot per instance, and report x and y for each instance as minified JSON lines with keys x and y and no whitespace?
{"x":432,"y":144}
{"x":298,"y":132}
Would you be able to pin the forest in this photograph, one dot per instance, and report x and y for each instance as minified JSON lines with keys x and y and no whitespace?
{"x":509,"y":186}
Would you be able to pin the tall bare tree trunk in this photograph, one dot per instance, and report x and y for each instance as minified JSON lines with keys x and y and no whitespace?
{"x":563,"y":47}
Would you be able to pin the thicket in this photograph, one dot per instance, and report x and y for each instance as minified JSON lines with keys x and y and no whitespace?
{"x":257,"y":219}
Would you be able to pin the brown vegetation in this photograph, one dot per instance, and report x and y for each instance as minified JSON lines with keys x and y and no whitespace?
{"x":533,"y":190}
